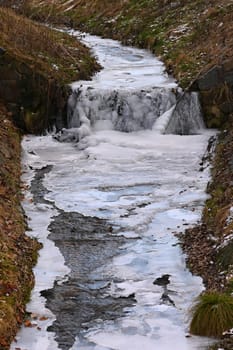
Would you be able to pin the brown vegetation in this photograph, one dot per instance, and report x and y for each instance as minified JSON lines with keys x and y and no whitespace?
{"x":191,"y":36}
{"x":53,"y":53}
{"x":18,"y":252}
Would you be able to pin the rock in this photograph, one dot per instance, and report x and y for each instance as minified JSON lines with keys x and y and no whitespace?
{"x":36,"y":102}
{"x":167,"y":300}
{"x":2,"y":51}
{"x":211,"y":79}
{"x":162,"y":281}
{"x":228,"y":77}
{"x":227,"y":107}
{"x":228,"y":66}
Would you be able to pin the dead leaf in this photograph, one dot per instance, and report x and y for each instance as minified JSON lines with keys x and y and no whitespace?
{"x":43,"y":318}
{"x":27,"y":323}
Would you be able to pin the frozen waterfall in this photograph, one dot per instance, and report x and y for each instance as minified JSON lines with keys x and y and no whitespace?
{"x":123,"y":98}
{"x":166,"y":111}
{"x":133,"y":110}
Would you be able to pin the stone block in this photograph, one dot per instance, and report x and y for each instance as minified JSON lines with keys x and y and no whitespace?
{"x":211,"y":79}
{"x":228,"y":77}
{"x":228,"y":66}
{"x":226,"y":107}
{"x":9,"y":91}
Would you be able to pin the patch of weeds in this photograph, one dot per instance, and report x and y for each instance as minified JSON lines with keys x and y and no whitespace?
{"x":225,"y":256}
{"x":229,"y":286}
{"x":53,"y":53}
{"x":213,"y":204}
{"x":212,"y":315}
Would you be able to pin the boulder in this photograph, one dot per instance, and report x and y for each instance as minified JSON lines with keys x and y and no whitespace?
{"x":213,"y":78}
{"x":37,"y":102}
{"x":216,"y":90}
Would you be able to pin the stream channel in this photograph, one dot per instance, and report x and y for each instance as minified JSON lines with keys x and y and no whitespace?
{"x":106,"y":197}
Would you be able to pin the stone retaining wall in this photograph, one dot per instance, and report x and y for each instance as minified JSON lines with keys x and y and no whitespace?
{"x":37,"y":102}
{"x":216,"y":90}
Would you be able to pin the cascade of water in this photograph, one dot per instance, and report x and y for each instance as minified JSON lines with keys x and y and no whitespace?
{"x":168,"y":111}
{"x":124,"y":110}
{"x":187,"y":116}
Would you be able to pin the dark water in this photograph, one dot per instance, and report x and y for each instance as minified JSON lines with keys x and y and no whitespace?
{"x":87,"y":244}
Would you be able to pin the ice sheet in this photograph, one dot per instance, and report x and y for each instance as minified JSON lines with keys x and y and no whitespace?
{"x":124,"y":67}
{"x":150,"y":186}
{"x":50,"y":265}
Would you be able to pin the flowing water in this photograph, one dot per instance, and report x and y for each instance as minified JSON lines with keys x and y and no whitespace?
{"x":107,"y":203}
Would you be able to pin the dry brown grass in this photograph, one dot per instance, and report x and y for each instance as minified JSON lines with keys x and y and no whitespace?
{"x":51,"y":52}
{"x":17,"y":251}
{"x":154,"y":25}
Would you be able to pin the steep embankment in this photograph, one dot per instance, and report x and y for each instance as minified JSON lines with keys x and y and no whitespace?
{"x":191,"y":36}
{"x":35,"y":65}
{"x":17,"y":251}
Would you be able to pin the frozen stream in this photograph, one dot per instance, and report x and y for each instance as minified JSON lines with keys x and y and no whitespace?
{"x":112,"y":204}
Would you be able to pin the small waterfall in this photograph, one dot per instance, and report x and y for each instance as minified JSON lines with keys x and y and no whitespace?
{"x":187,"y":116}
{"x":183,"y":118}
{"x":125,"y":111}
{"x":165,"y":110}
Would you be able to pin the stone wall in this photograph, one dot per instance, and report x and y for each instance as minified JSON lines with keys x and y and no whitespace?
{"x":37,"y":102}
{"x":216,"y":90}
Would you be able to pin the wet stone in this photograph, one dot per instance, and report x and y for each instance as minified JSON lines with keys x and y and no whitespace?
{"x":87,"y":244}
{"x":37,"y":188}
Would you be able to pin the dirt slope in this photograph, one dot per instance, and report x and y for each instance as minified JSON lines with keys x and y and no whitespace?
{"x":18,"y":252}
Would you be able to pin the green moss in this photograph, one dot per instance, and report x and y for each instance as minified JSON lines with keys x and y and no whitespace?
{"x":212,"y":204}
{"x":225,"y":256}
{"x":229,"y":286}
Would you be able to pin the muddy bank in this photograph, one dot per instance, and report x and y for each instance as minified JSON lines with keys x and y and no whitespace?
{"x":36,"y":66}
{"x":33,"y":86}
{"x":209,"y":245}
{"x":18,"y":252}
{"x":214,"y":260}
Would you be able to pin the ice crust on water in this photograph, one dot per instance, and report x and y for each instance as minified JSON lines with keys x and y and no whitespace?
{"x":146,"y":183}
{"x":50,"y":265}
{"x":125,"y":68}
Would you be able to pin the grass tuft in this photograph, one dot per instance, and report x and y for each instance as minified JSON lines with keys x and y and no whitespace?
{"x":212,"y":315}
